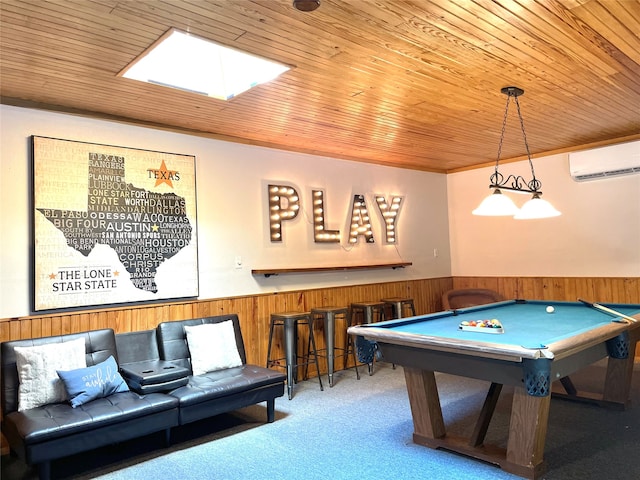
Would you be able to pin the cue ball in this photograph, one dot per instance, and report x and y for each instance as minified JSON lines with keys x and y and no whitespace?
{"x":550,"y":309}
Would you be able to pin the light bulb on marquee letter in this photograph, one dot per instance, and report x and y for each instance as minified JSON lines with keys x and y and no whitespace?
{"x":320,"y":233}
{"x":389,"y":212}
{"x":360,"y":221}
{"x":284,"y":204}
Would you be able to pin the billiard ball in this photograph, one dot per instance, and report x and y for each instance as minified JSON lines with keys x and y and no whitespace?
{"x":550,"y":309}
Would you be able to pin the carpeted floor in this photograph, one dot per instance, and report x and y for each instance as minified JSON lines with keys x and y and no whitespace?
{"x":363,"y":429}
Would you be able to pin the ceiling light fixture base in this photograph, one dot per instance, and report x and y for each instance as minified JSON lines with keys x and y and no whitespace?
{"x":306,"y":5}
{"x":512,"y":91}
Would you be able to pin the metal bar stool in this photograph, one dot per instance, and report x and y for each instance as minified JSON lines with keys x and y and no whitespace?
{"x":329,"y":315}
{"x":400,"y":307}
{"x":370,"y":312}
{"x":290,"y":321}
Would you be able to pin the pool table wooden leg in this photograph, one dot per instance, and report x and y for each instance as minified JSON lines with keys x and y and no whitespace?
{"x":527,"y":427}
{"x":616,"y":390}
{"x":527,"y":434}
{"x":489,"y":406}
{"x":425,"y":403}
{"x":617,"y":383}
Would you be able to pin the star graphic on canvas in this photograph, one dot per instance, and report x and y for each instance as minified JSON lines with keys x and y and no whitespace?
{"x":155,"y":228}
{"x":164,"y":175}
{"x":52,"y":276}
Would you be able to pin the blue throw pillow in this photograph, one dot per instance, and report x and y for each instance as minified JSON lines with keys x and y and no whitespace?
{"x":97,"y":381}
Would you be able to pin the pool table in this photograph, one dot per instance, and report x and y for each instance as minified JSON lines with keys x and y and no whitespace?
{"x":530,"y":352}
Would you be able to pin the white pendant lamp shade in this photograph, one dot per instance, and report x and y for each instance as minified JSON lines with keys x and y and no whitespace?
{"x":536,"y":208}
{"x":496,"y":205}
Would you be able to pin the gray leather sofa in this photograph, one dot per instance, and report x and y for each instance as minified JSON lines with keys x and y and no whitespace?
{"x":42,"y":434}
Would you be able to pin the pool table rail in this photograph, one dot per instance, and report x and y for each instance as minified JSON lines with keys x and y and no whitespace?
{"x":515,"y":353}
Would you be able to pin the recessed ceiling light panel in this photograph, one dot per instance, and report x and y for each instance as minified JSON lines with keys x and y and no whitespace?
{"x":187,"y":62}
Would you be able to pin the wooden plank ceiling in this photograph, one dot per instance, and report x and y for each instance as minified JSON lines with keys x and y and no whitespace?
{"x":407,"y":83}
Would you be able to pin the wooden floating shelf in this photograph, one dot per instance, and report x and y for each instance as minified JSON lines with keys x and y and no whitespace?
{"x":275,"y":271}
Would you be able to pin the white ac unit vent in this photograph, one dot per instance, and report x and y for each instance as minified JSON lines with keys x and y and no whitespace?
{"x":605,"y":162}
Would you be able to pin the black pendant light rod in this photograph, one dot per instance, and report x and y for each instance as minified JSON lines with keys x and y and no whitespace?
{"x":515,"y":183}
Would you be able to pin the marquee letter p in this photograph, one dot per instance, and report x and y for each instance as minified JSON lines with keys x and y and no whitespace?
{"x":284,"y":204}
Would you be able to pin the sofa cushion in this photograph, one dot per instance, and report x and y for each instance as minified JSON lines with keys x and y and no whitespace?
{"x":60,"y":419}
{"x":172,"y":339}
{"x":221,"y":383}
{"x":138,"y":346}
{"x":97,"y":381}
{"x":212,"y":347}
{"x":37,"y":365}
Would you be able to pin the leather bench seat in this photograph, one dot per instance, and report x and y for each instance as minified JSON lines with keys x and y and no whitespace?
{"x":209,"y":386}
{"x":58,"y":420}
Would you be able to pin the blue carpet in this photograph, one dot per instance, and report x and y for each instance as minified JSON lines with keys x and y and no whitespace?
{"x":363,"y":430}
{"x":357,"y":429}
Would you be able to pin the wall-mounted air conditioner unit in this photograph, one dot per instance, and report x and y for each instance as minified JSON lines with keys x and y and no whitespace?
{"x":605,"y":162}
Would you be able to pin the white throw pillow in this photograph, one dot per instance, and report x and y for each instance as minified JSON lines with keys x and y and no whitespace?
{"x":37,"y":365}
{"x":212,"y":347}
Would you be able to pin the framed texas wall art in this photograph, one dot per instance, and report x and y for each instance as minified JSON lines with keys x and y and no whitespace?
{"x":111,"y":225}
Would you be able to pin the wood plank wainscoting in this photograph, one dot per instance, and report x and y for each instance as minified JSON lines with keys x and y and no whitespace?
{"x":254,"y":310}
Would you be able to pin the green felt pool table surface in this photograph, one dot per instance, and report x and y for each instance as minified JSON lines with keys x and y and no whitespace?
{"x":528,"y":330}
{"x":525,"y":324}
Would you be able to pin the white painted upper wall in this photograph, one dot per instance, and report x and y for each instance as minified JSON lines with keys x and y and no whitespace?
{"x":598,"y":233}
{"x":232,"y":207}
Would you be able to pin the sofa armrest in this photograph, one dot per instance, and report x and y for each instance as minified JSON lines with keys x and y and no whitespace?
{"x":154,"y":376}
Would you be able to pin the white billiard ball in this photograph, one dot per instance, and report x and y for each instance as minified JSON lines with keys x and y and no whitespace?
{"x":550,"y":309}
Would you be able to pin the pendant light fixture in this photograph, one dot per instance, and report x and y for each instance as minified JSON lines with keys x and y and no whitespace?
{"x":498,"y":204}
